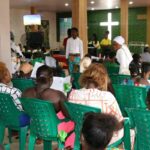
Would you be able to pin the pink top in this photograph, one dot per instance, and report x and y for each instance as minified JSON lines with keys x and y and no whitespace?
{"x":100,"y":99}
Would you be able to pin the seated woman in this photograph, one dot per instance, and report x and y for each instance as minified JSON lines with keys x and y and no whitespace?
{"x":97,"y":131}
{"x":94,"y":93}
{"x":145,"y":74}
{"x":44,"y":79}
{"x":5,"y":79}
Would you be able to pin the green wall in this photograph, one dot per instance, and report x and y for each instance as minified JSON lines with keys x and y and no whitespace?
{"x":137,"y":28}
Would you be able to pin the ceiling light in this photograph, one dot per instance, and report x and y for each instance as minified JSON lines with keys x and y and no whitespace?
{"x":92,"y":8}
{"x":66,"y":4}
{"x":131,"y":2}
{"x":117,"y":7}
{"x":92,"y":2}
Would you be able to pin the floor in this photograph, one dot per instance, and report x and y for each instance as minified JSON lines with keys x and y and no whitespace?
{"x":15,"y":144}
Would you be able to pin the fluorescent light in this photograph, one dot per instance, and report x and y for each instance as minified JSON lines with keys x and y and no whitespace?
{"x":92,"y":8}
{"x":32,"y":19}
{"x":92,"y":2}
{"x":117,"y":7}
{"x":131,"y":2}
{"x":66,"y":4}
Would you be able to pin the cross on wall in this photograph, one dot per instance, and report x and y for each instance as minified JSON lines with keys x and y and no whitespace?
{"x":109,"y":24}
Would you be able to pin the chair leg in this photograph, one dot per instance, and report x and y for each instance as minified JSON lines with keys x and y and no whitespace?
{"x":22,"y":137}
{"x":32,"y":139}
{"x":47,"y":145}
{"x":10,"y":135}
{"x":2,"y":132}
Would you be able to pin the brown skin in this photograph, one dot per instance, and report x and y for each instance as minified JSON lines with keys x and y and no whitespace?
{"x":45,"y":93}
{"x":116,"y":46}
{"x":7,"y":78}
{"x":74,"y":34}
{"x":145,"y":78}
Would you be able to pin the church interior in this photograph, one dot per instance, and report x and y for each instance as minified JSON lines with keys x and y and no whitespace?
{"x":75,"y":74}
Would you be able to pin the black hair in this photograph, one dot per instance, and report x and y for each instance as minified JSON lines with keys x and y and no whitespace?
{"x":136,"y":57}
{"x":146,"y":49}
{"x":43,"y":74}
{"x":74,"y":29}
{"x":112,"y":54}
{"x":98,"y":130}
{"x":95,"y":38}
{"x":69,"y":32}
{"x":145,"y":68}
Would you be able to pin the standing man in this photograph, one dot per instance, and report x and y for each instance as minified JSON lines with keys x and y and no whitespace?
{"x":74,"y":50}
{"x":123,"y":55}
{"x":105,"y":45}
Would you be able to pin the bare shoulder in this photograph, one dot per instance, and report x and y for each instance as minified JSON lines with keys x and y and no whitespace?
{"x":28,"y":92}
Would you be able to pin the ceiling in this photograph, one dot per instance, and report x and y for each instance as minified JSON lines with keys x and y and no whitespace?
{"x":59,"y":5}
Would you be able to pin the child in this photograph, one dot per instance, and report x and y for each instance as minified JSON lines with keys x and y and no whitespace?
{"x":97,"y":131}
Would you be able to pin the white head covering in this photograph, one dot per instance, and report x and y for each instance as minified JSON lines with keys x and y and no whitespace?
{"x":120,"y":40}
{"x":85,"y":63}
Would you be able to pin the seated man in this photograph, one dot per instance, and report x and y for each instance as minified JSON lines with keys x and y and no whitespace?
{"x":5,"y":79}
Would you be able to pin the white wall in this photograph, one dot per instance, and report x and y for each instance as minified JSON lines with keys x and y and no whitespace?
{"x":17,"y":27}
{"x":5,"y":53}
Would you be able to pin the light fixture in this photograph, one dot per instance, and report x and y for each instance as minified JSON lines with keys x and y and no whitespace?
{"x":92,"y":2}
{"x":117,"y":7}
{"x":66,"y":4}
{"x":92,"y":8}
{"x":131,"y":2}
{"x":33,"y":19}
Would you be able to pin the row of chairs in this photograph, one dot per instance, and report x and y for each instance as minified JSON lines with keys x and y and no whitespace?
{"x":44,"y":122}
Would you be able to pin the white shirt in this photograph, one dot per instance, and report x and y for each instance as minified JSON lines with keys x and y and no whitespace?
{"x":100,"y":99}
{"x":15,"y":93}
{"x":74,"y":46}
{"x":145,"y":57}
{"x":124,"y":58}
{"x":50,"y":61}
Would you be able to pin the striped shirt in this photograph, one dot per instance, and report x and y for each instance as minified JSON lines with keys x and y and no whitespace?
{"x":15,"y":93}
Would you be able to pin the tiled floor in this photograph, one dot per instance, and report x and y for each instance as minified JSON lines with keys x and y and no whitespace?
{"x":15,"y":144}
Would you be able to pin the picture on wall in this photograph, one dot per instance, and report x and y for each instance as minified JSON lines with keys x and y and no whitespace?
{"x":42,"y":34}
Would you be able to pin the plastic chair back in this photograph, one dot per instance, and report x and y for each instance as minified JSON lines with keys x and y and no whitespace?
{"x":77,"y":112}
{"x":9,"y":114}
{"x":23,"y":84}
{"x":112,"y":68}
{"x":130,"y":97}
{"x":118,"y":79}
{"x":44,"y":121}
{"x":142,"y":125}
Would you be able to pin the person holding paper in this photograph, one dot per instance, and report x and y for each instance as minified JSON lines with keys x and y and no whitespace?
{"x":44,"y":79}
{"x":74,"y":50}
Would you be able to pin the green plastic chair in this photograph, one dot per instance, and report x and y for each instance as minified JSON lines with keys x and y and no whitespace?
{"x":125,"y":139}
{"x":40,"y":60}
{"x":75,"y":77}
{"x":130,"y":97}
{"x":23,"y":84}
{"x":118,"y":79}
{"x":141,"y":119}
{"x":9,"y":118}
{"x":112,"y":68}
{"x":43,"y":123}
{"x":77,"y":112}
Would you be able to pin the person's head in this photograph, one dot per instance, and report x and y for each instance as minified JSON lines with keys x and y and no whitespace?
{"x":136,"y":58}
{"x":94,"y":37}
{"x":95,"y":77}
{"x":25,"y":70}
{"x":69,"y":32}
{"x":106,"y":34}
{"x":74,"y":32}
{"x":5,"y":76}
{"x":85,"y":63}
{"x":145,"y":70}
{"x":146,"y":49}
{"x":97,"y":131}
{"x":44,"y":76}
{"x":112,"y":56}
{"x":118,"y":42}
